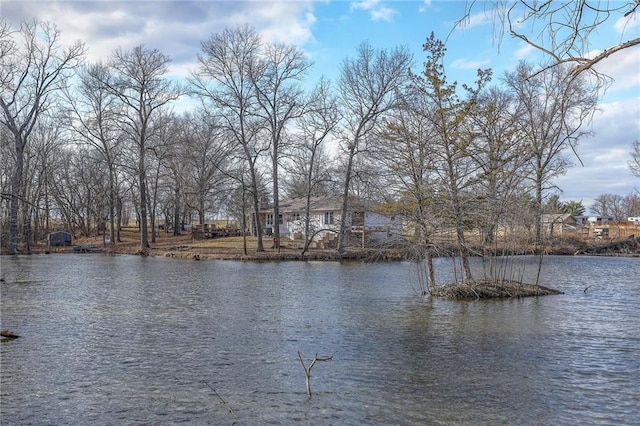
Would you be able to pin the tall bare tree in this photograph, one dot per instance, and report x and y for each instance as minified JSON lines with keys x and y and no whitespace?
{"x":555,"y":107}
{"x":277,"y":80}
{"x":634,"y":162}
{"x":45,"y":147}
{"x":609,"y":205}
{"x":95,"y":113}
{"x":34,"y":65}
{"x":223,"y":81}
{"x":309,"y":163}
{"x":453,"y":142}
{"x":404,"y":151}
{"x":631,"y":205}
{"x":140,"y":83}
{"x":500,"y":156}
{"x":367,"y":89}
{"x":206,"y":157}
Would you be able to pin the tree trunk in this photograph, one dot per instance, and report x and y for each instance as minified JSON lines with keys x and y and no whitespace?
{"x":343,"y":238}
{"x":537,"y":226}
{"x":144,"y":232}
{"x":307,"y":219}
{"x":276,"y":203}
{"x":16,"y":190}
{"x":463,"y":251}
{"x":26,"y":226}
{"x":244,"y":219}
{"x":119,"y":208}
{"x":176,"y":213}
{"x":112,"y":207}
{"x":256,"y":208}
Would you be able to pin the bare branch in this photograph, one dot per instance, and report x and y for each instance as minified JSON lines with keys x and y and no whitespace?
{"x":307,"y":370}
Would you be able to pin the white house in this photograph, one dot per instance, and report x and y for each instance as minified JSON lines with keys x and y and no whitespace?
{"x":598,"y":220}
{"x":364,"y":219}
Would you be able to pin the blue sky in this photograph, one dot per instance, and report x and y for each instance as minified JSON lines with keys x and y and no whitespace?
{"x":329,"y":31}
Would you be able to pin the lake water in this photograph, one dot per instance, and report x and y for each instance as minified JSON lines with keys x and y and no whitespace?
{"x":131,"y":340}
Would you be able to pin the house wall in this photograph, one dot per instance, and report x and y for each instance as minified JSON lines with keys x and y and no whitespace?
{"x":382,"y":227}
{"x":378,"y":227}
{"x":295,"y":229}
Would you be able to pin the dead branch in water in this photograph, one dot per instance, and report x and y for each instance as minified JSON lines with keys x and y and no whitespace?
{"x":307,"y":370}
{"x":220,"y":398}
{"x":8,"y":334}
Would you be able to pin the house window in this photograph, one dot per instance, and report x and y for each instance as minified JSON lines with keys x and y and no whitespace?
{"x":328,"y":218}
{"x":269,"y":219}
{"x":358,"y":219}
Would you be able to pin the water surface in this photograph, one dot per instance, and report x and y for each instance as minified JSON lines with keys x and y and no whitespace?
{"x":130,"y":340}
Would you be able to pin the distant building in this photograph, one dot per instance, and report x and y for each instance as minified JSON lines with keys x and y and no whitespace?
{"x":558,"y":223}
{"x":598,"y":220}
{"x":364,"y":219}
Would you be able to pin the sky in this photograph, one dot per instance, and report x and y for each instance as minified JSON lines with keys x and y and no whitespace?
{"x":328,"y":31}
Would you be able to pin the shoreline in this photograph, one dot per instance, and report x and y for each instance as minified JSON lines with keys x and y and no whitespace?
{"x":228,"y":249}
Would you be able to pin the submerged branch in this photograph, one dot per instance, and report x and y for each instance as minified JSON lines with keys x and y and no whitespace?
{"x":307,"y":370}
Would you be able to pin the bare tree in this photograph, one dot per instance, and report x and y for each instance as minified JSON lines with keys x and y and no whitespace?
{"x":634,"y":162}
{"x":308,"y":162}
{"x":631,"y":205}
{"x":280,"y":96}
{"x":206,"y":156}
{"x":165,"y":148}
{"x":498,"y":152}
{"x":555,"y":107}
{"x":566,"y":30}
{"x":78,"y":187}
{"x":367,"y":89}
{"x":404,"y":150}
{"x":223,"y":80}
{"x":457,"y":173}
{"x":45,"y":148}
{"x":140,"y":84}
{"x":95,"y":112}
{"x":609,"y":205}
{"x":33,"y":67}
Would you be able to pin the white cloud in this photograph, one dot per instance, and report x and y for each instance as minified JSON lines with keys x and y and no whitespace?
{"x":626,"y":25}
{"x":480,"y":18}
{"x":466,"y":64}
{"x":426,"y":4}
{"x":622,"y":67}
{"x":525,"y":51}
{"x":363,"y":5}
{"x":605,"y":155}
{"x":383,"y":14}
{"x":175,"y":28}
{"x":288,"y":22}
{"x":376,"y":12}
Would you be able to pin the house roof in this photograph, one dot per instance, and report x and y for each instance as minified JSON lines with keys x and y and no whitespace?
{"x":558,"y":218}
{"x":322,"y":204}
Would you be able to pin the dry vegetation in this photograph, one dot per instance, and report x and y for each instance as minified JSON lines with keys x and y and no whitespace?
{"x":229,"y":248}
{"x":487,"y":289}
{"x":623,"y":239}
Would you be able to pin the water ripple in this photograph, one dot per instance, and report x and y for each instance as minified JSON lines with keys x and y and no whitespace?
{"x":128,"y":340}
